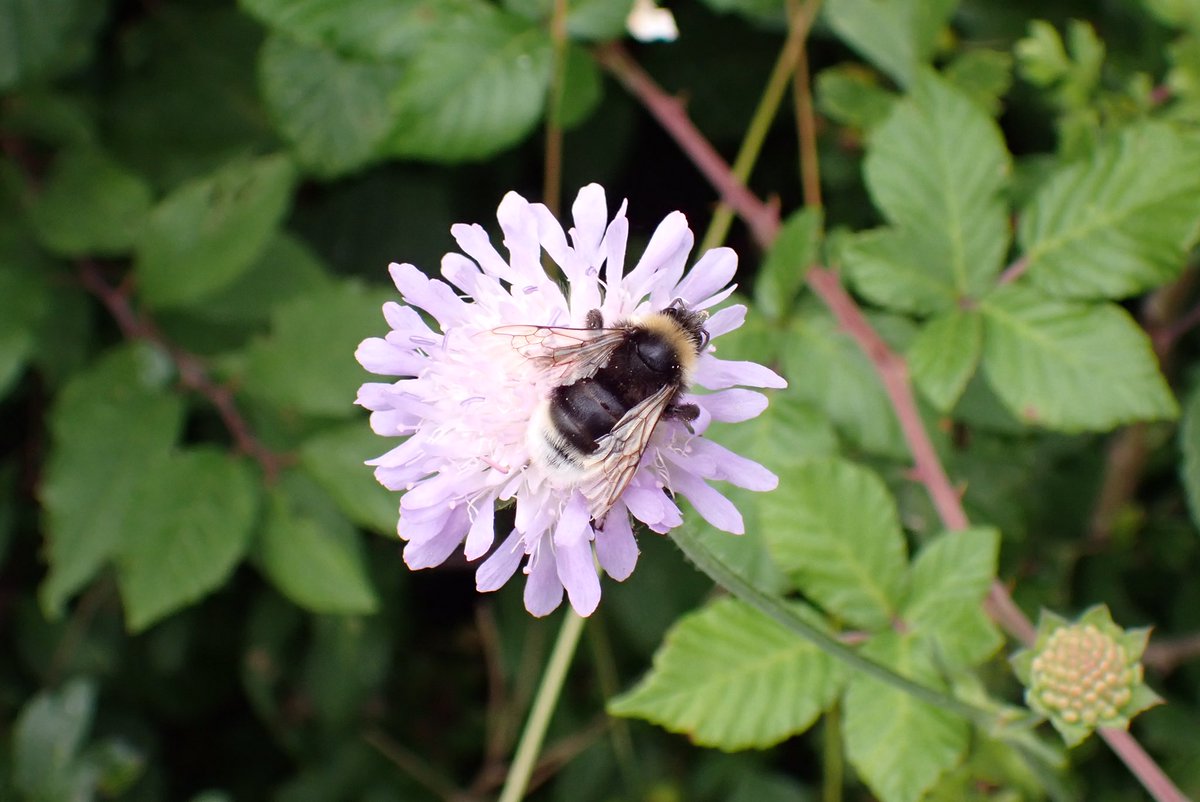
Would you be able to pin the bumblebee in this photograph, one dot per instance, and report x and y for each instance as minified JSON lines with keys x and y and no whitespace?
{"x":612,"y":385}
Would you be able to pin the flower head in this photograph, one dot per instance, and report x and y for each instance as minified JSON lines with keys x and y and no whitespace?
{"x":469,"y":390}
{"x":1085,"y":674}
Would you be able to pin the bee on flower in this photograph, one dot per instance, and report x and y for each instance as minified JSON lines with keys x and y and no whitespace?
{"x":572,"y":404}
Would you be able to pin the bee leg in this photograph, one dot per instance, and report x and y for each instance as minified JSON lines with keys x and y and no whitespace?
{"x":683,"y":412}
{"x":595,"y":320}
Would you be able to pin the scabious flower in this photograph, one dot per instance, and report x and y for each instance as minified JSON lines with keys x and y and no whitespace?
{"x":464,"y":396}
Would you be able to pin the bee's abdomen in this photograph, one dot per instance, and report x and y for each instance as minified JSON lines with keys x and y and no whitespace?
{"x":584,"y":412}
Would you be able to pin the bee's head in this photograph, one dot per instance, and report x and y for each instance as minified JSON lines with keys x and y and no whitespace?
{"x":691,"y":322}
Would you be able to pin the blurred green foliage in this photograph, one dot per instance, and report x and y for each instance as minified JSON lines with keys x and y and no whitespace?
{"x":202,"y":591}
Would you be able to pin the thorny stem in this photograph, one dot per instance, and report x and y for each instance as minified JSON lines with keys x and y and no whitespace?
{"x":764,"y":221}
{"x":192,"y":372}
{"x":543,"y":707}
{"x":789,"y":58}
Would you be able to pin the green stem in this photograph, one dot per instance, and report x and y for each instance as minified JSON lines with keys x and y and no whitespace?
{"x":619,"y":732}
{"x":543,"y":708}
{"x":776,"y":608}
{"x":833,"y":765}
{"x":760,"y":123}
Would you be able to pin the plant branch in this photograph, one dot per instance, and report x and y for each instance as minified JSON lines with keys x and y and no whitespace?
{"x":1166,"y":654}
{"x":552,"y":174}
{"x":762,"y":219}
{"x":543,"y":708}
{"x":790,"y":58}
{"x":192,"y":372}
{"x":763,"y":222}
{"x":806,"y":122}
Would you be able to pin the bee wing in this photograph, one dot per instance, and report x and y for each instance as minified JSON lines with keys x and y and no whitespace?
{"x":567,"y":354}
{"x":612,"y":467}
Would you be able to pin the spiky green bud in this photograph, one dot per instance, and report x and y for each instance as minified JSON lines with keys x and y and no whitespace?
{"x":1085,"y":674}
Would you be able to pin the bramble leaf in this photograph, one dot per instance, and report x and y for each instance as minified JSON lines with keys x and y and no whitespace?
{"x":1120,"y":222}
{"x":936,"y":170}
{"x":91,"y":205}
{"x":898,"y":744}
{"x":782,"y":272}
{"x":948,"y":581}
{"x":312,"y":554}
{"x":303,"y":364}
{"x":111,"y":426}
{"x":732,"y":678}
{"x":476,"y":87}
{"x":334,"y":110}
{"x":203,"y":235}
{"x":1070,"y":366}
{"x":188,"y":526}
{"x":832,"y":527}
{"x":898,"y":36}
{"x":945,"y":354}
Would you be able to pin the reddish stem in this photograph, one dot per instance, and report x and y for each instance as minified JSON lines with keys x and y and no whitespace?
{"x":192,"y":372}
{"x":762,"y":219}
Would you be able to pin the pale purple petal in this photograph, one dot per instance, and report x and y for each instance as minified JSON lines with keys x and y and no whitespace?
{"x":615,"y":240}
{"x":712,"y":506}
{"x":713,"y":461}
{"x":732,"y":406}
{"x":405,"y":321}
{"x":435,"y":297}
{"x":717,"y":374}
{"x":552,"y":238}
{"x":520,"y":227}
{"x":499,"y":568}
{"x":543,"y":590}
{"x":466,"y":275}
{"x":616,"y":548}
{"x":590,"y":212}
{"x":483,"y":529}
{"x":474,"y":241}
{"x":651,"y":506}
{"x":434,"y":551}
{"x":726,"y":320}
{"x":668,"y":248}
{"x":708,"y":276}
{"x":573,"y":556}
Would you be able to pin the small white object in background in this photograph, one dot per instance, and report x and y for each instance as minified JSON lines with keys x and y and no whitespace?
{"x":649,"y":23}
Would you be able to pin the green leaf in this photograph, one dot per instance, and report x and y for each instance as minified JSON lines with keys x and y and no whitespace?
{"x":898,"y":36}
{"x":1070,"y":366}
{"x":583,"y":87}
{"x":839,"y":380}
{"x":206,"y":233}
{"x":110,"y":427}
{"x":851,"y":95}
{"x":286,"y":268}
{"x":944,"y":355}
{"x":307,"y":364}
{"x":336,"y":460}
{"x":899,"y":269}
{"x":477,"y":87}
{"x":312,"y":554}
{"x":948,"y":581}
{"x":335,"y":111}
{"x":832,"y":526}
{"x":1189,"y":445}
{"x":732,"y":678}
{"x":91,"y":205}
{"x":41,"y":38}
{"x":899,"y":745}
{"x":783,"y":270}
{"x":373,"y":29}
{"x":25,"y":298}
{"x":1041,"y":54}
{"x":936,"y":169}
{"x":46,"y":740}
{"x":984,"y":75}
{"x":1119,"y":223}
{"x":189,"y":525}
